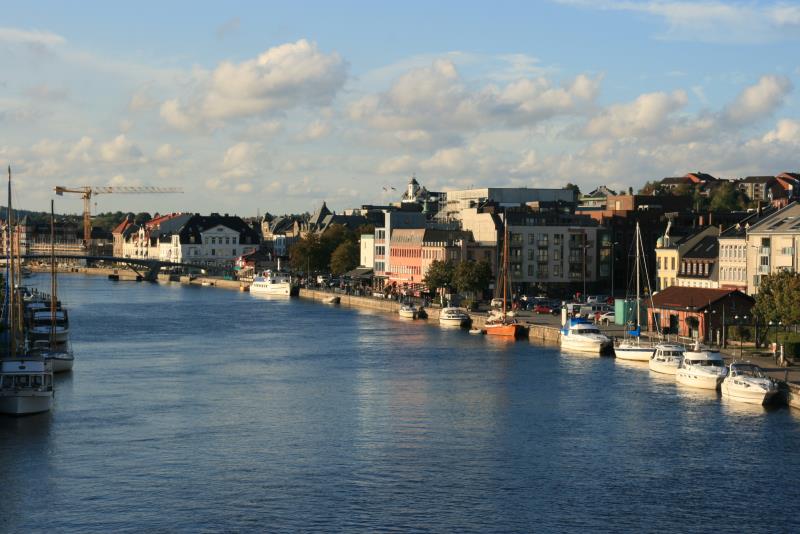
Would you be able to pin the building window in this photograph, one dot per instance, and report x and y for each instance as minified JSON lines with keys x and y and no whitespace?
{"x":530,"y":270}
{"x":673,"y":263}
{"x":531,"y":239}
{"x":556,"y":239}
{"x":213,"y":252}
{"x":557,"y":272}
{"x":531,"y":255}
{"x":227,"y":240}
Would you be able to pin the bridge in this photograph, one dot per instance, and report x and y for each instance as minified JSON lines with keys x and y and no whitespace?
{"x":149,"y":267}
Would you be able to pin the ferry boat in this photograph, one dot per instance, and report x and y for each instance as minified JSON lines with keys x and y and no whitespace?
{"x":272,"y":283}
{"x":701,"y":368}
{"x":453,"y":317}
{"x":746,"y":382}
{"x":579,"y":335}
{"x":26,"y":386}
{"x":666,"y":358}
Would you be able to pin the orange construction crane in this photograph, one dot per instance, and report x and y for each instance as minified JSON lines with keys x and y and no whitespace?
{"x":87,"y":191}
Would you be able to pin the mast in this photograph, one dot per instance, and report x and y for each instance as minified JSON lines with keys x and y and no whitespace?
{"x":638,"y":289}
{"x":53,"y":288}
{"x":505,"y":264}
{"x":12,"y":312}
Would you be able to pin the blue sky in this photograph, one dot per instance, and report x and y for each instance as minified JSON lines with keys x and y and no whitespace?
{"x":254,"y":106}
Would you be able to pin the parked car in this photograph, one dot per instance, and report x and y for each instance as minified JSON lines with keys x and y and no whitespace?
{"x":589,"y":311}
{"x":607,"y":317}
{"x":596,"y":299}
{"x":544,"y":308}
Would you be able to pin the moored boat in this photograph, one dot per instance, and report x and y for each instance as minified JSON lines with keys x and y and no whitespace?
{"x":579,"y":335}
{"x":408,"y":311}
{"x":26,"y":386}
{"x":49,"y":324}
{"x":272,"y":283}
{"x":666,"y":358}
{"x":453,"y":317}
{"x":701,"y":368}
{"x":335,"y":299}
{"x":746,"y":382}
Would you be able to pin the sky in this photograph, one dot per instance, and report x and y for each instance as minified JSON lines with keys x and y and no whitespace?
{"x":255,"y":107}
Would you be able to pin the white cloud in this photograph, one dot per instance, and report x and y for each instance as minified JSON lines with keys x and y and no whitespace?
{"x":711,"y":21}
{"x":316,"y":130}
{"x":436,"y":98}
{"x":787,"y":131}
{"x":34,"y":37}
{"x":759,"y":100}
{"x":240,"y":160}
{"x":648,"y":114}
{"x":80,"y":150}
{"x":281,"y":78}
{"x":167,"y":152}
{"x":396,"y":165}
{"x":120,"y":150}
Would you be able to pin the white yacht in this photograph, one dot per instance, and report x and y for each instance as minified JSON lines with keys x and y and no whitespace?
{"x":581,"y":336}
{"x":408,"y":311}
{"x":272,"y":283}
{"x":746,"y":382}
{"x":635,"y":350}
{"x":453,"y":317}
{"x":26,"y":386}
{"x":666,"y":358}
{"x":59,"y":356}
{"x":42,"y":326}
{"x":701,"y":368}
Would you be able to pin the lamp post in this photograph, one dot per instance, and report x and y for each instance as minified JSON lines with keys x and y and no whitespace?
{"x":740,"y":321}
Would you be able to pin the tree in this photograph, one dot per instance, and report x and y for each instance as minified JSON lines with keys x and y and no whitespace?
{"x":728,"y":197}
{"x":439,"y":275}
{"x":471,"y":276}
{"x":307,"y":254}
{"x":651,"y":188}
{"x":777,"y":298}
{"x":576,"y":191}
{"x":335,"y":235}
{"x":142,"y":217}
{"x":345,"y":258}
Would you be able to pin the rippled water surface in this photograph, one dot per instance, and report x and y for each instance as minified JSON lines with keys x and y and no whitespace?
{"x":200,"y":409}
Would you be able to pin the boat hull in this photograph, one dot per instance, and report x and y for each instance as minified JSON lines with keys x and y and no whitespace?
{"x":666,"y":368}
{"x":271,"y":289}
{"x":61,"y":364}
{"x":590,"y":346}
{"x":43,"y":334}
{"x":688,"y":377}
{"x":505,"y":330}
{"x":634,"y":353}
{"x":746,"y":395}
{"x":407,"y":314}
{"x":452,"y":323}
{"x":26,"y":403}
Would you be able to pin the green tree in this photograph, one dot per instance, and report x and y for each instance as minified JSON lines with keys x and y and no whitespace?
{"x":471,"y":276}
{"x":777,"y":298}
{"x":576,"y":191}
{"x":308,"y":254}
{"x":438,"y":275}
{"x":727,"y":197}
{"x":335,"y":235}
{"x":142,"y":217}
{"x":345,"y":258}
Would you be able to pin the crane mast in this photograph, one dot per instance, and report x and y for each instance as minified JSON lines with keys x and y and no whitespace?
{"x":87,"y":191}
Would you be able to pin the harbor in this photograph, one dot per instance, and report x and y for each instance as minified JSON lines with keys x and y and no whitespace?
{"x":158,"y":415}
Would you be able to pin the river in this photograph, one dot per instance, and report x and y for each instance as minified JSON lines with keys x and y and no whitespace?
{"x":201,"y":409}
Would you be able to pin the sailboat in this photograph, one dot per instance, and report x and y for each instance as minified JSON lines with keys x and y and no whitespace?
{"x":56,"y":349}
{"x":26,"y":380}
{"x":499,"y":323}
{"x":632,"y":348}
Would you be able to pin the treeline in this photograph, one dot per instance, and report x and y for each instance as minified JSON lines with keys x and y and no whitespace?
{"x":725,"y":197}
{"x":335,"y":251}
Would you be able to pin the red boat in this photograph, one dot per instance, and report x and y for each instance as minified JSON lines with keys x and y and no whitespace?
{"x":502,"y":325}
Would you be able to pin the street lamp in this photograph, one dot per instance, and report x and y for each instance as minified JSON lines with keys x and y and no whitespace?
{"x":740,"y":321}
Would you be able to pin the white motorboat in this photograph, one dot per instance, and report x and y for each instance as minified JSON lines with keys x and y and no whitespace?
{"x":581,"y":336}
{"x":47,"y":324}
{"x":454,"y":318}
{"x":701,"y":368}
{"x":635,"y":350}
{"x":666,"y":358}
{"x":408,"y":311}
{"x":746,"y":382}
{"x":272,"y":283}
{"x":26,"y":386}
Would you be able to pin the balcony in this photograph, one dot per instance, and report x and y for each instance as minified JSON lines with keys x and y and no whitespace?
{"x":763,"y":269}
{"x":764,"y":251}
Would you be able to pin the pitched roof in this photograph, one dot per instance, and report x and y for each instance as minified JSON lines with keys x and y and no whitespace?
{"x":740,"y":229}
{"x":708,"y":247}
{"x":702,"y":176}
{"x":756,"y":179}
{"x":126,"y":222}
{"x":696,"y":298}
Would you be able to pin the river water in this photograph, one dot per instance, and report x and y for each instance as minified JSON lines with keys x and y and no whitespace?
{"x":200,"y":409}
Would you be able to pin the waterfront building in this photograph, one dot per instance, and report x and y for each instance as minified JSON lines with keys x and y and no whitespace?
{"x":596,"y":200}
{"x":699,"y":313}
{"x":758,"y":188}
{"x":671,"y":248}
{"x":144,"y":240}
{"x":455,"y":202}
{"x":279,"y":234}
{"x":733,"y":251}
{"x":772,"y":244}
{"x":367,"y":250}
{"x":700,"y":264}
{"x":393,"y":219}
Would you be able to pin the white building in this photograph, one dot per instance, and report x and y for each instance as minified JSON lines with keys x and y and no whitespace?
{"x":367,"y":245}
{"x":772,"y":245}
{"x":457,"y":201}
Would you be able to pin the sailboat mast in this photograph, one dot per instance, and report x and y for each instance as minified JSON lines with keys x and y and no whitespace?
{"x":505,"y":263}
{"x":12,"y":312}
{"x":53,"y":297}
{"x":638,"y":289}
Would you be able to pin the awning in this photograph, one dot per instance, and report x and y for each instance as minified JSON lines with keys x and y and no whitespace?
{"x":362,"y":273}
